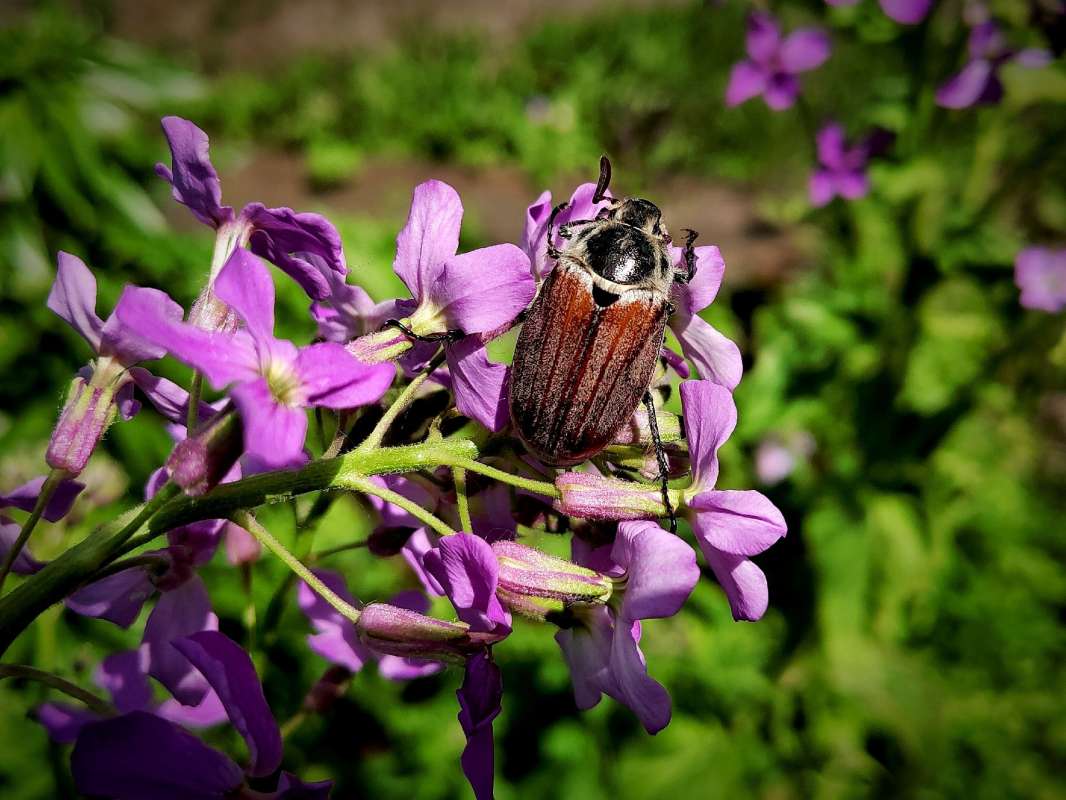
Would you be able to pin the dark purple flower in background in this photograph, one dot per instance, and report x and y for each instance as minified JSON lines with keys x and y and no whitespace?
{"x":656,"y":572}
{"x":978,"y":83}
{"x":1040,"y":273}
{"x":306,"y":246}
{"x":141,"y":756}
{"x":272,"y":380}
{"x":730,"y":525}
{"x":774,"y":62}
{"x":905,"y":12}
{"x":842,"y":166}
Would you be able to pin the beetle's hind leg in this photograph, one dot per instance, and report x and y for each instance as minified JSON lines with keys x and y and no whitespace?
{"x":688,"y":256}
{"x":660,"y":458}
{"x":553,"y":251}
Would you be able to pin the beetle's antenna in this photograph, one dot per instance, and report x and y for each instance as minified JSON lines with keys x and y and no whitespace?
{"x":660,"y":457}
{"x":605,"y":179}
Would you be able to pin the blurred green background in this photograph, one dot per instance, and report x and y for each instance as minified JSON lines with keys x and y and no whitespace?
{"x":914,"y":645}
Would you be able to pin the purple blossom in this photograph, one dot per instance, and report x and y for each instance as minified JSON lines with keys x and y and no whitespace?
{"x":777,"y":457}
{"x":658,"y":572}
{"x":730,"y":525}
{"x":535,"y":233}
{"x":1040,"y":273}
{"x":978,"y":82}
{"x":140,"y":756}
{"x":272,"y":380}
{"x":24,"y":498}
{"x":774,"y":62}
{"x":306,"y":246}
{"x":842,"y":167}
{"x":905,"y":12}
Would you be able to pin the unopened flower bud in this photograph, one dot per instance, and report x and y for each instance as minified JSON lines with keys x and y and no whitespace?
{"x":594,"y":497}
{"x":87,"y":414}
{"x":384,"y":345}
{"x":541,"y":586}
{"x":200,"y":461}
{"x":408,"y":634}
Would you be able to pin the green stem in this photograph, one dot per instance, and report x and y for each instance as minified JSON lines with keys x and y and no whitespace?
{"x":341,"y":548}
{"x":251,"y":524}
{"x":51,"y":483}
{"x":365,"y":486}
{"x":540,"y":487}
{"x":61,"y":577}
{"x":92,"y":702}
{"x":192,"y":413}
{"x":399,"y":406}
{"x":459,"y":476}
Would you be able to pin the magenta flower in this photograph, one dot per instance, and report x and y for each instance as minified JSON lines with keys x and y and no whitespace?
{"x":306,"y":246}
{"x":655,"y":572}
{"x":535,"y":233}
{"x":730,"y":526}
{"x":140,"y":756}
{"x":774,"y":63}
{"x":978,"y":83}
{"x":272,"y":381}
{"x":336,"y":638}
{"x":842,"y":167}
{"x":1040,"y":273}
{"x":905,"y":12}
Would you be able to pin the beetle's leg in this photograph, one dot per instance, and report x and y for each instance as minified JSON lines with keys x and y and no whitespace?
{"x":660,"y":457}
{"x":564,"y":230}
{"x":553,"y":251}
{"x":447,"y":336}
{"x":689,"y":256}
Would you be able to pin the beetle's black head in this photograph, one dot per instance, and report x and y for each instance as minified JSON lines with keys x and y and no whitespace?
{"x":638,"y":213}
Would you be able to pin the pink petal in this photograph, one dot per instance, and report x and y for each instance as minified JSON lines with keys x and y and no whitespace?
{"x":245,"y":285}
{"x":642,"y":693}
{"x":194,"y":180}
{"x":822,"y":188}
{"x":743,"y":523}
{"x":703,"y":288}
{"x":710,"y":417}
{"x":746,"y":80}
{"x":483,"y":290}
{"x":744,"y":583}
{"x":430,"y":237}
{"x":333,"y":378}
{"x":73,"y":298}
{"x":273,"y":433}
{"x":831,"y":146}
{"x":716,"y":357}
{"x":179,"y":613}
{"x":480,"y":385}
{"x":804,"y":49}
{"x":763,"y":37}
{"x":660,"y":569}
{"x":906,"y":12}
{"x":967,"y":87}
{"x":781,"y":91}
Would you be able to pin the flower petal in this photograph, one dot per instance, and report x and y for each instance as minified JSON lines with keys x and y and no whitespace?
{"x":715,"y":356}
{"x":481,"y":291}
{"x":430,"y":237}
{"x":804,"y":49}
{"x":763,"y":37}
{"x":480,"y":385}
{"x":336,"y":639}
{"x":906,"y":12}
{"x":660,"y":569}
{"x":179,"y":613}
{"x":273,"y":433}
{"x":587,"y":650}
{"x":334,"y":378}
{"x":123,"y":677}
{"x":710,"y":417}
{"x":743,"y":523}
{"x":781,"y":91}
{"x":25,"y":563}
{"x":305,"y":246}
{"x":245,"y":285}
{"x":822,"y":188}
{"x":241,"y":546}
{"x":414,"y":553}
{"x":231,"y":674}
{"x":394,"y":516}
{"x":744,"y":583}
{"x":700,"y":292}
{"x":831,"y":145}
{"x":465,"y":566}
{"x":63,"y":722}
{"x":479,"y":704}
{"x":193,"y":178}
{"x":852,"y":184}
{"x":59,"y":504}
{"x":223,"y":358}
{"x":73,"y":298}
{"x":292,"y":788}
{"x":966,"y":88}
{"x":139,"y":756}
{"x":643,"y":694}
{"x":117,"y":598}
{"x":746,"y":80}
{"x":1040,"y":273}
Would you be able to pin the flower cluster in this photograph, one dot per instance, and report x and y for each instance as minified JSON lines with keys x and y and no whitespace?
{"x":472,"y":527}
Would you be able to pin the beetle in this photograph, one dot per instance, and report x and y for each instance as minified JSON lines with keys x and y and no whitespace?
{"x":589,"y":343}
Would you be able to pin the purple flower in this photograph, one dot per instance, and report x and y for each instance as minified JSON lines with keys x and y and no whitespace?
{"x":336,"y":638}
{"x":655,"y":573}
{"x":25,"y":497}
{"x":715,"y":356}
{"x":774,"y":62}
{"x":306,"y":246}
{"x":1040,"y":273}
{"x":730,"y":525}
{"x":272,"y":380}
{"x":140,"y":756}
{"x":978,"y":83}
{"x":777,"y":457}
{"x":905,"y":12}
{"x":842,"y":169}
{"x":535,"y":234}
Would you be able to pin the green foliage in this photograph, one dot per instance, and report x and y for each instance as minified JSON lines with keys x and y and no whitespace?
{"x":915,"y":641}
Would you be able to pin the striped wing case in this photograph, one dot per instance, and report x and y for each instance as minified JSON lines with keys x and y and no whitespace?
{"x":580,"y":369}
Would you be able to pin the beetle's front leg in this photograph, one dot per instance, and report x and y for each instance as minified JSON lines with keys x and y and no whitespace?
{"x":553,"y":251}
{"x":689,"y":257}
